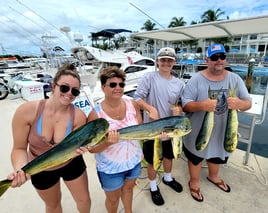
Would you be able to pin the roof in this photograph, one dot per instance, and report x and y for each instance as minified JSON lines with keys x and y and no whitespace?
{"x":226,"y":28}
{"x":109,"y":32}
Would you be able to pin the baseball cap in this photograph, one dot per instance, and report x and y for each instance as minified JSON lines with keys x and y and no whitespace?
{"x":214,"y":49}
{"x":167,"y":52}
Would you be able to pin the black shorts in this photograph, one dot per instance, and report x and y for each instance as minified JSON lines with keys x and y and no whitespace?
{"x":196,"y":160}
{"x":148,"y":150}
{"x":71,"y":171}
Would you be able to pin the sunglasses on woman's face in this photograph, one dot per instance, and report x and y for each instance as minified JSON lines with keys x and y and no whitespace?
{"x":217,"y":56}
{"x":114,"y":84}
{"x":65,"y":88}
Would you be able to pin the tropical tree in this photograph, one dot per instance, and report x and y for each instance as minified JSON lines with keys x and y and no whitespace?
{"x":193,"y":22}
{"x":194,"y":42}
{"x":149,"y":26}
{"x":176,"y":22}
{"x":118,"y":42}
{"x":212,"y":15}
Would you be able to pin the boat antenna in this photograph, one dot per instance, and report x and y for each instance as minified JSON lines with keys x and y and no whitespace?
{"x":20,"y":33}
{"x":147,"y":15}
{"x":26,"y":17}
{"x":38,"y":15}
{"x":14,"y":21}
{"x":42,"y":19}
{"x":4,"y":52}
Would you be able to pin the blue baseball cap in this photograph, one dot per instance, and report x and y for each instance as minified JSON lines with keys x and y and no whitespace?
{"x":214,"y":49}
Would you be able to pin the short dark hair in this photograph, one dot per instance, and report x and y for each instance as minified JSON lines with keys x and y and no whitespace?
{"x":111,"y":72}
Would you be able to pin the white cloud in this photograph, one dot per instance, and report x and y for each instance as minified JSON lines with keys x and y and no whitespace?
{"x":24,"y":22}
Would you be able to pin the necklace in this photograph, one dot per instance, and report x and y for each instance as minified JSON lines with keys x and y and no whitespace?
{"x":113,"y":112}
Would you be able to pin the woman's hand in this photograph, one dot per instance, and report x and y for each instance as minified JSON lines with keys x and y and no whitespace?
{"x":113,"y":137}
{"x":18,"y":178}
{"x":81,"y":150}
{"x":164,"y":135}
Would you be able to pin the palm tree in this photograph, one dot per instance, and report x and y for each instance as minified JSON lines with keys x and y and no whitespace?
{"x":212,"y":15}
{"x":118,"y":42}
{"x":192,"y":43}
{"x":176,"y":22}
{"x":149,"y":26}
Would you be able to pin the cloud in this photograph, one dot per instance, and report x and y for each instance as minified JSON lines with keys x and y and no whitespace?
{"x":24,"y":22}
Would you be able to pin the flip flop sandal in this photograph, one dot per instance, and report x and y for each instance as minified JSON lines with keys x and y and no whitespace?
{"x":196,"y":191}
{"x":220,"y":185}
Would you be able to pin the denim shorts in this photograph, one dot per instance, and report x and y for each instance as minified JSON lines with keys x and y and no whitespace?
{"x":112,"y":182}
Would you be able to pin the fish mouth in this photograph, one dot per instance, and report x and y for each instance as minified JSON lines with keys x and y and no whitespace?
{"x":100,"y":139}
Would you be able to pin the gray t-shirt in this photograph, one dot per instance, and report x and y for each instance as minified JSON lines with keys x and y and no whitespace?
{"x":159,"y":92}
{"x":197,"y":90}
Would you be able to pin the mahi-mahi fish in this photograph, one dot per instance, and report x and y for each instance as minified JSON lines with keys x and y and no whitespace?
{"x":174,"y":126}
{"x":207,"y":125}
{"x":231,"y":132}
{"x":90,"y":134}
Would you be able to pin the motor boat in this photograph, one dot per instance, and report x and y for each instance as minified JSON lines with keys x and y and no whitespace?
{"x":94,"y":59}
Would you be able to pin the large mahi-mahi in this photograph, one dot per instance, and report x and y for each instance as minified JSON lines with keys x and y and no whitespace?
{"x":174,"y":126}
{"x":90,"y":134}
{"x":231,"y":132}
{"x":207,"y":126}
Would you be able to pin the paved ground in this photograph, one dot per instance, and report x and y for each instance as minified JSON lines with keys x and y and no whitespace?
{"x":248,"y":183}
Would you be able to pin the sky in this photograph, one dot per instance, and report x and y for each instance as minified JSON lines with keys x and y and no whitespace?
{"x":27,"y":26}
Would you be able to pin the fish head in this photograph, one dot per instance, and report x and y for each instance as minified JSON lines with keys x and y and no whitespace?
{"x":183,"y":127}
{"x":95,"y":132}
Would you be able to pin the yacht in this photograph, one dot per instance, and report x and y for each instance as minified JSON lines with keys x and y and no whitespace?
{"x":94,"y":59}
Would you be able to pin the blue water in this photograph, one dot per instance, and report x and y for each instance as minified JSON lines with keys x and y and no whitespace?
{"x":191,"y":61}
{"x":259,"y":144}
{"x":257,"y":72}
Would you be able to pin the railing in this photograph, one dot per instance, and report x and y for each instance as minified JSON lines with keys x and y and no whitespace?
{"x":256,"y":116}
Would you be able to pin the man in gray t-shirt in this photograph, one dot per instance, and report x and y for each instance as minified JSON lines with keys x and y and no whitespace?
{"x":208,"y":91}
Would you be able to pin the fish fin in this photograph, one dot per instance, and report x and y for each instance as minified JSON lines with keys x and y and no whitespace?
{"x":232,"y":92}
{"x":176,"y":146}
{"x":157,"y":156}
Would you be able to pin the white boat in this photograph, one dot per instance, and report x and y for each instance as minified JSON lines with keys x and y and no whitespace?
{"x":40,"y":63}
{"x":94,"y":59}
{"x":11,"y":64}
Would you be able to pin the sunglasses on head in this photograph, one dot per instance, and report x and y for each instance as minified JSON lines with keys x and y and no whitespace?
{"x":114,"y":84}
{"x":216,"y":57}
{"x":66,"y":88}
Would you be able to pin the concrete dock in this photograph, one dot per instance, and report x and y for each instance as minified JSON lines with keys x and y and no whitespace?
{"x":249,"y":190}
